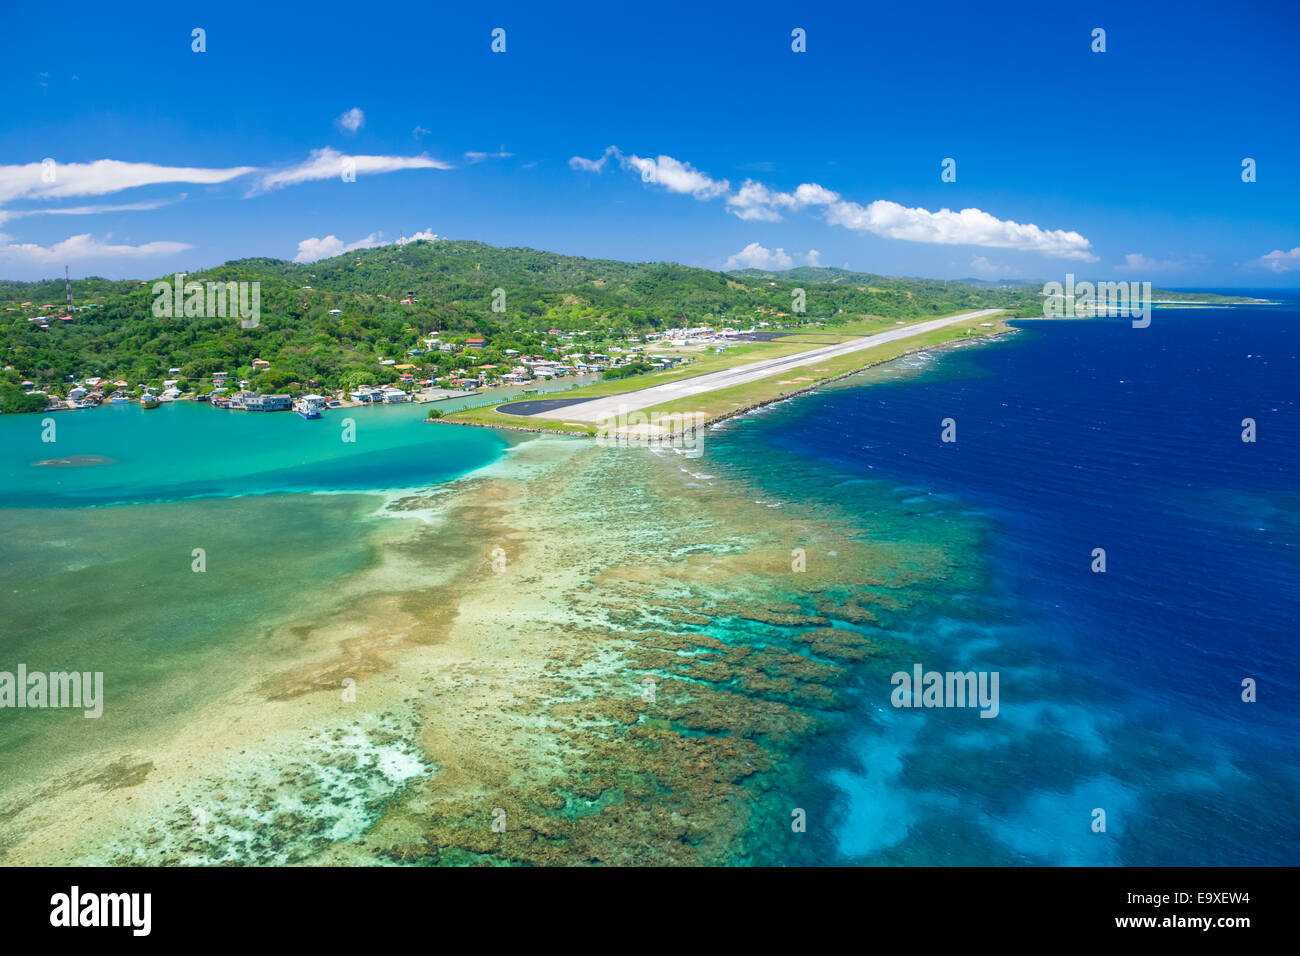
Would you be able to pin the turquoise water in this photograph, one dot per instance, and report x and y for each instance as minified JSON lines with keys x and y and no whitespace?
{"x":456,"y":403}
{"x":1119,"y":691}
{"x":185,"y":449}
{"x":98,"y":568}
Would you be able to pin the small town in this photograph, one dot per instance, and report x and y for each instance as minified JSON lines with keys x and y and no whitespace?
{"x":576,"y":357}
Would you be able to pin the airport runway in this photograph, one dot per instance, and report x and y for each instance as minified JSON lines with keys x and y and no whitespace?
{"x":595,"y":409}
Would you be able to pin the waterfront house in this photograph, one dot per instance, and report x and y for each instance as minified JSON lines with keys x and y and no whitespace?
{"x":265,"y":403}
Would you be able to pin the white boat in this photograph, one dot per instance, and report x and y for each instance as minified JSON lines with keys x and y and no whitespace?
{"x":309,"y":406}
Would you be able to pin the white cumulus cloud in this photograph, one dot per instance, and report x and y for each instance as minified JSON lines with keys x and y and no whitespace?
{"x":351,"y":121}
{"x":309,"y":250}
{"x":673,"y":174}
{"x":676,"y":176}
{"x":967,"y":227}
{"x":757,"y":202}
{"x":755,"y":256}
{"x":426,"y":236}
{"x":1280,"y":261}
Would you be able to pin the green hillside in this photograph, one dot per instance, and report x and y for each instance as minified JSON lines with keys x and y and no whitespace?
{"x":114,"y":333}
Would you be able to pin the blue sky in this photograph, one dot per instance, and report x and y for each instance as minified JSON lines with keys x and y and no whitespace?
{"x":1122,"y":164}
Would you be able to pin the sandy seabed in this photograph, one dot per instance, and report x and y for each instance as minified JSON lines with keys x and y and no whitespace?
{"x":577,"y":655}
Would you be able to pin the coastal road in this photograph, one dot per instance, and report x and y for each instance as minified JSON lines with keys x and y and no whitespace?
{"x":593,"y":410}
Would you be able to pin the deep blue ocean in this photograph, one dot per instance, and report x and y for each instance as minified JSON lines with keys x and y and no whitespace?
{"x":1120,"y":691}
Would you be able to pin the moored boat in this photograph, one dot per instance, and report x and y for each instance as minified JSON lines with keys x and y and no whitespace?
{"x":149,"y":401}
{"x":309,"y":406}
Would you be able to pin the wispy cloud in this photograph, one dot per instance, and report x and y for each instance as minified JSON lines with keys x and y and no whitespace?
{"x":593,"y":165}
{"x":310,"y":250}
{"x":1136,"y":262}
{"x":82,"y":248}
{"x":329,"y":163}
{"x":479,"y":157}
{"x":757,"y":202}
{"x":101,"y":177}
{"x":6,"y":214}
{"x":351,"y":121}
{"x":984,"y":268}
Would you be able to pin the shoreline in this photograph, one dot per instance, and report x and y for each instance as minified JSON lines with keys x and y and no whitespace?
{"x":590,"y":432}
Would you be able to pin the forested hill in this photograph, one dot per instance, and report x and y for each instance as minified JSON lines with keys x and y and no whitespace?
{"x":114,"y":333}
